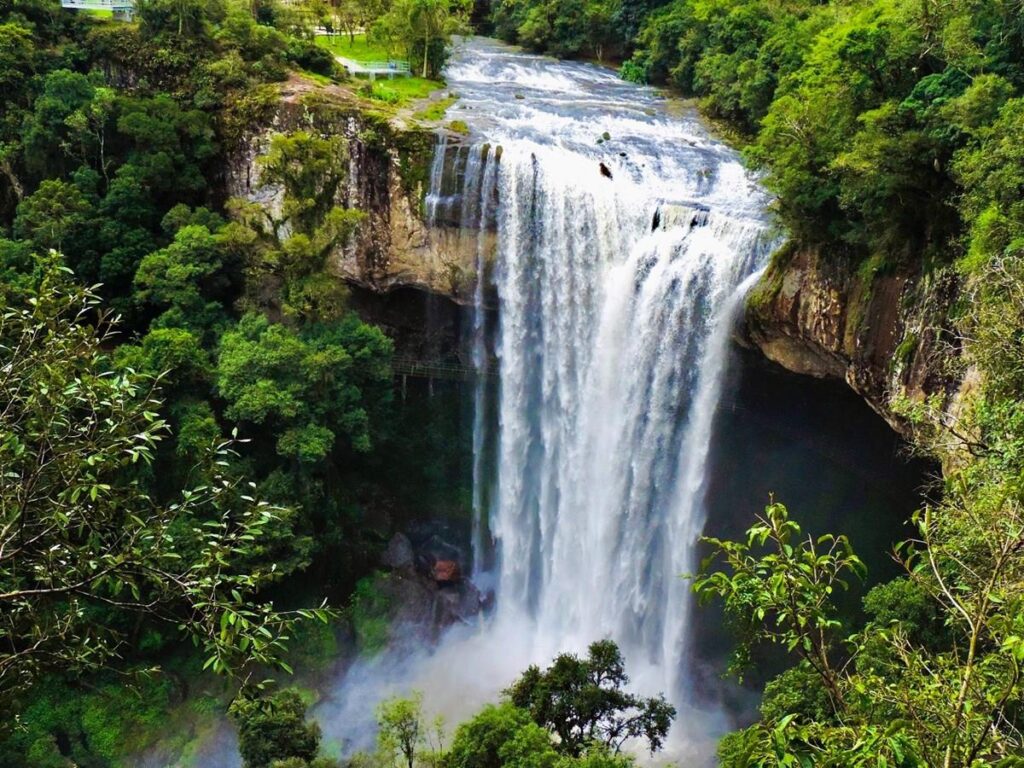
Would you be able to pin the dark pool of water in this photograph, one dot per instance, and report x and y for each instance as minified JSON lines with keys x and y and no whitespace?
{"x":837,"y":466}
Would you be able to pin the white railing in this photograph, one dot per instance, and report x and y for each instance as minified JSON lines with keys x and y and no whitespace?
{"x":385,"y":66}
{"x":100,"y":5}
{"x":373,"y":68}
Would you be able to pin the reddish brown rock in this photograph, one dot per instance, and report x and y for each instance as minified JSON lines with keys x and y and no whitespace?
{"x":446,"y":572}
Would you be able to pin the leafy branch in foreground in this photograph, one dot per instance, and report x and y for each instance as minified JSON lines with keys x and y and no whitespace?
{"x":85,"y":553}
{"x":933,"y":679}
{"x":784,"y":596}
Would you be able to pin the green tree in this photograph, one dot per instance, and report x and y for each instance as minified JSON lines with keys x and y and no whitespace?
{"x":583,"y":701}
{"x":51,"y":214}
{"x":49,"y":140}
{"x":82,"y":544}
{"x":186,"y":279}
{"x":400,"y":729}
{"x":499,"y":735}
{"x":505,"y":736}
{"x":183,"y":18}
{"x":309,"y":387}
{"x":273,"y":732}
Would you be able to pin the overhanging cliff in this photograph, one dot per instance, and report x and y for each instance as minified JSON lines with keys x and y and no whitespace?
{"x":884,"y":330}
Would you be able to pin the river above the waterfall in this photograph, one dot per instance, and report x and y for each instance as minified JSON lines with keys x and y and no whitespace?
{"x":645,"y":139}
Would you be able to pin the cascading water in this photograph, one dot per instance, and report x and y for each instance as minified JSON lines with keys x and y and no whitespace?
{"x":625,"y":238}
{"x":613,"y":241}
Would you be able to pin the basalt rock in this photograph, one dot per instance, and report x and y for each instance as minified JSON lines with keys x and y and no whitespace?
{"x":399,"y":555}
{"x":884,"y":330}
{"x":426,"y":587}
{"x":390,"y":165}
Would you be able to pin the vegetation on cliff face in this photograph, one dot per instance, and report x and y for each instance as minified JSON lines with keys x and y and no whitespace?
{"x":191,"y":431}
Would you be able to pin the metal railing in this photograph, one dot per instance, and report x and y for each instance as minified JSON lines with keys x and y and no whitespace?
{"x":386,"y":66}
{"x":100,"y":5}
{"x":391,"y":68}
{"x":451,"y":370}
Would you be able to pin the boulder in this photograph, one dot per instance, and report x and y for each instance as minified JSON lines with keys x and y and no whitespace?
{"x":399,"y":555}
{"x":446,"y":572}
{"x":461,"y":605}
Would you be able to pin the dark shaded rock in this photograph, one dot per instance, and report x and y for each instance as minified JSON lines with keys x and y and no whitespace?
{"x":458,"y":605}
{"x":605,"y":170}
{"x":399,"y":554}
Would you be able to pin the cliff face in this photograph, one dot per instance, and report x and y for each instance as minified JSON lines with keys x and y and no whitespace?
{"x":882,"y":330}
{"x":390,"y":165}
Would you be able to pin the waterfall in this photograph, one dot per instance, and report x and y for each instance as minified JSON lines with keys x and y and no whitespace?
{"x":617,"y":275}
{"x":614,"y":315}
{"x":611,"y":241}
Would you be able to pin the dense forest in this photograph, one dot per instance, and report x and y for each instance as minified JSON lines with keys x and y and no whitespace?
{"x":192,"y":417}
{"x":203,"y":452}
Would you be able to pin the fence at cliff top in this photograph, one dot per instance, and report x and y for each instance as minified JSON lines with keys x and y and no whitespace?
{"x":124,"y":8}
{"x":374,"y":68}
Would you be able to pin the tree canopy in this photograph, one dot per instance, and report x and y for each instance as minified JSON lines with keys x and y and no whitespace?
{"x":82,"y":543}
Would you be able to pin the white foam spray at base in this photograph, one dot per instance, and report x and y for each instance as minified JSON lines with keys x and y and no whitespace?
{"x":626,"y":238}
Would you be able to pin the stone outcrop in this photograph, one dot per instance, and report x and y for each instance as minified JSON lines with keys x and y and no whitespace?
{"x":390,"y":164}
{"x":883,"y":330}
{"x":399,"y":555}
{"x":426,"y":592}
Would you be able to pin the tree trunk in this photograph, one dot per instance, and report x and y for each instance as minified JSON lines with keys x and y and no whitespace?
{"x":426,"y":52}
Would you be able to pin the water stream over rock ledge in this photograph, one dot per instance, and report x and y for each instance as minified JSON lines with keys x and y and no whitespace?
{"x":597,"y":242}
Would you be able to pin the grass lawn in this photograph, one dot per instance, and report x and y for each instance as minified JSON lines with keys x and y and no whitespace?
{"x":396,"y":91}
{"x":436,"y":109}
{"x":358,"y":50}
{"x":403,"y":89}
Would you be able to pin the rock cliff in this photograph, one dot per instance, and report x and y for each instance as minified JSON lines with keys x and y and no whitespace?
{"x":882,"y":329}
{"x":391,"y":158}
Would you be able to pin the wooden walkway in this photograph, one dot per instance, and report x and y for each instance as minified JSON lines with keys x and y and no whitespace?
{"x":448,"y":370}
